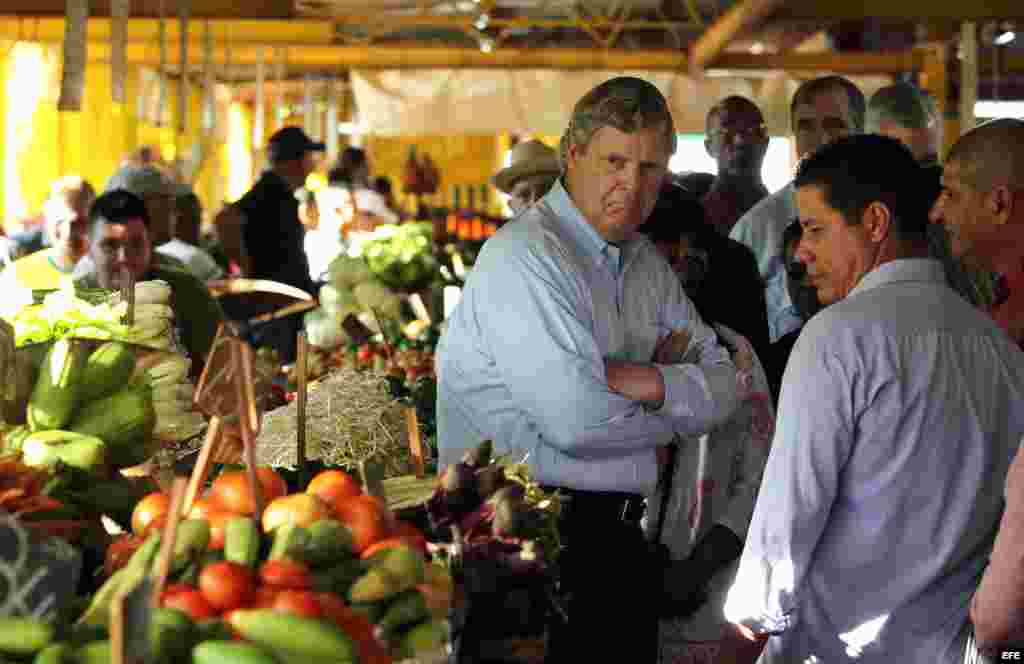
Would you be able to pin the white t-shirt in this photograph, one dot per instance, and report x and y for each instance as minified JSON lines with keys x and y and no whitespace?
{"x":197,"y":261}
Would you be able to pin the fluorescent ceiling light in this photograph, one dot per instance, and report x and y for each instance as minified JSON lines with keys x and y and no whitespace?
{"x":1005,"y":37}
{"x":999,"y":109}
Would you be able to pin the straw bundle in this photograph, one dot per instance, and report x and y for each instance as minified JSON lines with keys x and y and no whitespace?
{"x":350,"y":417}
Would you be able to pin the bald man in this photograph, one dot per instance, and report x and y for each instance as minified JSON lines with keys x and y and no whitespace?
{"x":738,"y":141}
{"x":903,"y":112}
{"x":982,"y":208}
{"x":982,"y":205}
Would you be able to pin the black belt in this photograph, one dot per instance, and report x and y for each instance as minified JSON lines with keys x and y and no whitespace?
{"x":612,"y":505}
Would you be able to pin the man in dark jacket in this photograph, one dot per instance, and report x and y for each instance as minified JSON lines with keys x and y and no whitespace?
{"x":718,"y":274}
{"x":271,"y":231}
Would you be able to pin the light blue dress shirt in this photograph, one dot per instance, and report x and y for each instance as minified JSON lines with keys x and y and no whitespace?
{"x":761,"y":229}
{"x":521,"y":361}
{"x":901,"y":409}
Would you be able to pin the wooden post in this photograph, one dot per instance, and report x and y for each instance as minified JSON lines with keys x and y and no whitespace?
{"x":202,"y":468}
{"x":181,"y":123}
{"x":162,"y":72}
{"x":968,"y":74}
{"x":72,"y":83}
{"x":247,"y":418}
{"x":119,"y":10}
{"x":258,"y":104}
{"x":170,"y":534}
{"x":935,"y":79}
{"x":412,"y":422}
{"x":302,"y":368}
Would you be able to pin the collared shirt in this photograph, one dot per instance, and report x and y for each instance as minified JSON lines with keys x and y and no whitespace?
{"x":901,"y":409}
{"x":522,"y":359}
{"x":1008,"y":309}
{"x":761,"y":229}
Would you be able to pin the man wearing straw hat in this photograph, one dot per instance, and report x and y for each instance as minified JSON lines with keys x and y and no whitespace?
{"x":554,"y":353}
{"x":532,"y":172}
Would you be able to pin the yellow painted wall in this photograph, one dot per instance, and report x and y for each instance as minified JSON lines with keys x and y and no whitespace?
{"x":38,"y":144}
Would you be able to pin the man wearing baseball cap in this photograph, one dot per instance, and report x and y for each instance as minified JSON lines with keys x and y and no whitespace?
{"x":271,"y":231}
{"x":533,"y":170}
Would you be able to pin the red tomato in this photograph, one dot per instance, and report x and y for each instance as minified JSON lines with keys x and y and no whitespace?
{"x":298,"y":602}
{"x":365,"y":353}
{"x":175,"y":588}
{"x":356,"y":626}
{"x":334,"y":487}
{"x":334,"y":608}
{"x":393,"y":542}
{"x":203,"y":507}
{"x":264,"y":597}
{"x":226,"y":585}
{"x":191,"y":602}
{"x":149,"y":509}
{"x":287,"y":574}
{"x":120,"y":552}
{"x":231,"y":489}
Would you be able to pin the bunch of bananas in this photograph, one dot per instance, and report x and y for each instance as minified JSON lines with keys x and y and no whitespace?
{"x":153,"y":325}
{"x":173,"y":394}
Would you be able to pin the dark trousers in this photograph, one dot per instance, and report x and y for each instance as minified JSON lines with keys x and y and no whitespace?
{"x":608,"y":571}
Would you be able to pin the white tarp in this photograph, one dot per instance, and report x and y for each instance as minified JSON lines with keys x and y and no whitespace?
{"x":539,"y":101}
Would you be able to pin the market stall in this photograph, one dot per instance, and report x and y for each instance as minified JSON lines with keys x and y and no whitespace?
{"x":152,"y":549}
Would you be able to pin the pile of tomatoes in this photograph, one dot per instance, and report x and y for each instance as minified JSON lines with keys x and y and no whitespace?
{"x":283,"y":584}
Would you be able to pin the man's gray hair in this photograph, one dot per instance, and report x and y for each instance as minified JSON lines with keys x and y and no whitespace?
{"x":141,"y":181}
{"x":626,"y":103}
{"x":808,"y":90}
{"x":901,"y":103}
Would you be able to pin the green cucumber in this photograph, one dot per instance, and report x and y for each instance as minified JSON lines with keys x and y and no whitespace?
{"x":297,"y":635}
{"x":24,"y":636}
{"x":106,"y":371}
{"x":55,"y":653}
{"x":55,"y":395}
{"x":290,"y":541}
{"x":230,"y":652}
{"x":242,"y":541}
{"x":329,"y":542}
{"x":407,"y":609}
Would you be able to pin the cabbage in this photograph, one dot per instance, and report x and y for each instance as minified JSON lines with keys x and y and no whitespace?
{"x":374,"y":295}
{"x":338,"y":301}
{"x":324,"y":330}
{"x":62,"y":314}
{"x":346,"y":271}
{"x":402,"y":256}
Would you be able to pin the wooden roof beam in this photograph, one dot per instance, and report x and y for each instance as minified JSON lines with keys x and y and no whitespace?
{"x":252,"y":31}
{"x":901,"y":10}
{"x":311,"y":57}
{"x":742,"y":16}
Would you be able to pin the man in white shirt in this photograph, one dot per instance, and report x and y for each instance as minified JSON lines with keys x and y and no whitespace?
{"x":823,"y":109}
{"x":185,"y":244}
{"x":901,"y":409}
{"x":553,"y":354}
